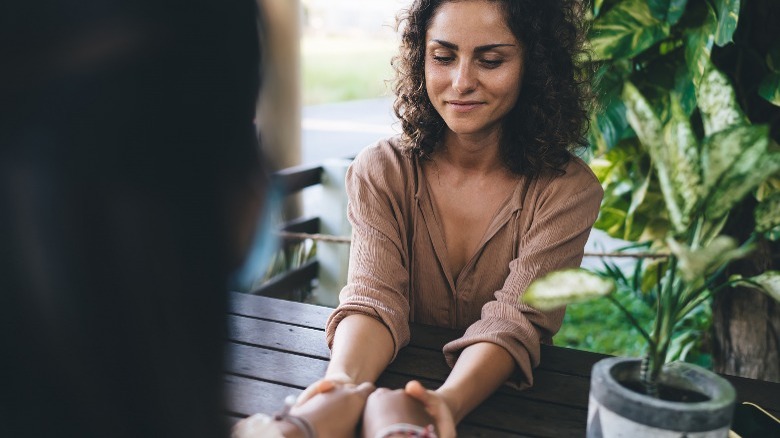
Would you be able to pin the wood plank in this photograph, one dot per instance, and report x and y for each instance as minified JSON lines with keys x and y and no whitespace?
{"x":548,"y":385}
{"x":764,"y":394}
{"x":246,"y":396}
{"x":268,"y":334}
{"x":558,"y":359}
{"x":569,"y":360}
{"x":297,"y":178}
{"x":310,"y":225}
{"x":274,"y":366}
{"x":271,"y":309}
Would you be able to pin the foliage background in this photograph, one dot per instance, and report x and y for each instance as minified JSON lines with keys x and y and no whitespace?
{"x":687,"y":69}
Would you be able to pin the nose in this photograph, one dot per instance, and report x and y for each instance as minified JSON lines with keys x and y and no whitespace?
{"x":464,"y":80}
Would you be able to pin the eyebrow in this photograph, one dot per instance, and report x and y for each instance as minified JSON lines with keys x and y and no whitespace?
{"x":484,"y":48}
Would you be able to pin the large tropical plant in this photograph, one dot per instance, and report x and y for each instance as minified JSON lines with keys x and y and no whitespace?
{"x":683,"y":84}
{"x":678,"y":150}
{"x":701,"y":180}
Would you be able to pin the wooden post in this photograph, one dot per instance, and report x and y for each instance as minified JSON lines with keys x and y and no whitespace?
{"x":279,"y":109}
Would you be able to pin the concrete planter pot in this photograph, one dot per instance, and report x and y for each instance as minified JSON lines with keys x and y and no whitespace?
{"x":614,"y":410}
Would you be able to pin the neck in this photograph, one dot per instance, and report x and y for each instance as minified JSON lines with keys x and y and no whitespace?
{"x":471,"y":153}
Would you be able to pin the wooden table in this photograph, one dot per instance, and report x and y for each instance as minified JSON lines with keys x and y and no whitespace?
{"x":277,"y":348}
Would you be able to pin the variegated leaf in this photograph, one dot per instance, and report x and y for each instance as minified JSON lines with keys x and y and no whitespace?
{"x":771,"y":186}
{"x":768,"y":281}
{"x":667,"y":10}
{"x":597,"y":7}
{"x":734,"y":163}
{"x":695,"y":264}
{"x":767,"y":214}
{"x":718,"y":102}
{"x":728,"y":18}
{"x":637,"y":198}
{"x":683,"y":152}
{"x":649,"y":129}
{"x":699,"y":41}
{"x":770,"y":88}
{"x":611,"y":220}
{"x":566,"y":287}
{"x":625,"y":31}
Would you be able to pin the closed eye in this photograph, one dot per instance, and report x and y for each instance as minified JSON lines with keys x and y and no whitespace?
{"x":443,"y":59}
{"x":492,"y":63}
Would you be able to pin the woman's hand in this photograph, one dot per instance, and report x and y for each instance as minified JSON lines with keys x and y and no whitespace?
{"x":335,"y":412}
{"x":325,"y":384}
{"x":435,"y":406}
{"x":387,"y":407}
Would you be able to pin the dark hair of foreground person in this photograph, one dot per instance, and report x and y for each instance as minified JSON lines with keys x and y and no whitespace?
{"x":130,"y":178}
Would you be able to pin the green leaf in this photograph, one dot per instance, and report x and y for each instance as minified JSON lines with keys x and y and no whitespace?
{"x":648,"y":128}
{"x":566,"y":287}
{"x":767,"y":214}
{"x":769,"y":187}
{"x":770,"y":88}
{"x":611,"y":220}
{"x":718,"y":102}
{"x":768,"y":281}
{"x":661,"y":75}
{"x":735,"y":162}
{"x":597,"y":7}
{"x":625,"y":31}
{"x":667,"y":10}
{"x":610,"y":123}
{"x":641,"y":116}
{"x":728,"y":18}
{"x":682,"y":152}
{"x":698,"y":47}
{"x":637,"y":198}
{"x":695,"y":264}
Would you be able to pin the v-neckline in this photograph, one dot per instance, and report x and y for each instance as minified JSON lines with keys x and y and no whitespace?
{"x":431,"y":217}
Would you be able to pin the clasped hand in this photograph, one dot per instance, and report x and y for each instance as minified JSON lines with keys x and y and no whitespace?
{"x":334,"y":406}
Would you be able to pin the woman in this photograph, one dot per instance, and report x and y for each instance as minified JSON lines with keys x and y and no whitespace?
{"x":478,"y":197}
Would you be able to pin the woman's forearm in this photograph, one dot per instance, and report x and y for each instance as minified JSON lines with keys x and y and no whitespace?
{"x":481,"y":368}
{"x":362,"y":348}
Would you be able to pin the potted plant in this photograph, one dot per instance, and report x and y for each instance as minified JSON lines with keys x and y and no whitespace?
{"x":662,"y":45}
{"x":702,"y":177}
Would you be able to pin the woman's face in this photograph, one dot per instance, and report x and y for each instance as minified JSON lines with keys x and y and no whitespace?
{"x":473,"y":67}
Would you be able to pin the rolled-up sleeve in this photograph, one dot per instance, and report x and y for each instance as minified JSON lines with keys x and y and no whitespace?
{"x":562,"y":215}
{"x":378,"y":277}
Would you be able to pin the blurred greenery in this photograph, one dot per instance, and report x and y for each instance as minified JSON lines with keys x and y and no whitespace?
{"x":337,"y":69}
{"x":599,"y":326}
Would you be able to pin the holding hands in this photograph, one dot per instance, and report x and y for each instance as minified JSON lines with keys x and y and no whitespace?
{"x":413,"y":411}
{"x":333,"y":407}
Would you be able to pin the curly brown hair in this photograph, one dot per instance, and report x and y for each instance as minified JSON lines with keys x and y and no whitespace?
{"x":550,"y":117}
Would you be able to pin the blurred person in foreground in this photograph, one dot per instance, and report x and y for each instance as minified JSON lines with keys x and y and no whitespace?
{"x":130,"y":184}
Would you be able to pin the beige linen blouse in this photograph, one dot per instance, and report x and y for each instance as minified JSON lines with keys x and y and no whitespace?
{"x":398,"y":256}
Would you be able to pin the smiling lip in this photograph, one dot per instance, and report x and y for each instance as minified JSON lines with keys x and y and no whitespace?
{"x":464,"y":105}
